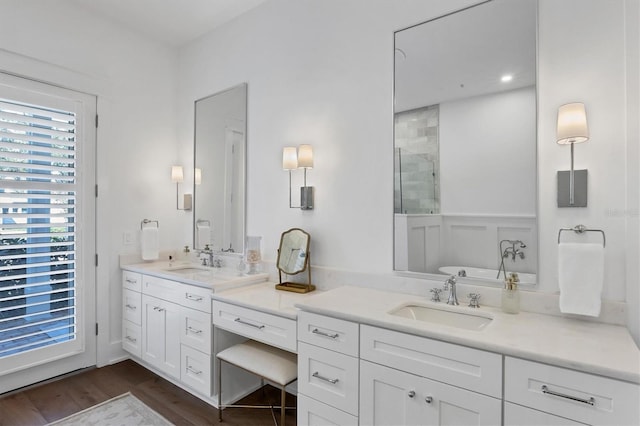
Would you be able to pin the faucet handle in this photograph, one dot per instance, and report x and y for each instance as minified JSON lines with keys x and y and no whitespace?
{"x":436,"y":294}
{"x":451,"y":280}
{"x":473,"y":300}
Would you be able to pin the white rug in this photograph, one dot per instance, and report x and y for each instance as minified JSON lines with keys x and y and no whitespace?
{"x":123,"y":410}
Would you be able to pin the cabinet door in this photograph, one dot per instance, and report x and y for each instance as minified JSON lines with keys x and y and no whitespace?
{"x":517,"y":415}
{"x":389,"y":396}
{"x":161,"y":335}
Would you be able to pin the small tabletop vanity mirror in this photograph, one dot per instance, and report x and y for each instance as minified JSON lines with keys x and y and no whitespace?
{"x":293,"y":259}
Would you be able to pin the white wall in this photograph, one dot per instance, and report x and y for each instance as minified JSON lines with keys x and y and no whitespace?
{"x":321,"y":73}
{"x":488,"y":154}
{"x":135,"y":83}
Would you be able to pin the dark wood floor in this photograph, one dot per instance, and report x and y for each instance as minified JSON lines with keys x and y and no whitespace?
{"x":48,"y":402}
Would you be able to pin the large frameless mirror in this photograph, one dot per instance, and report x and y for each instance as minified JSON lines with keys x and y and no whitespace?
{"x":219,"y":175}
{"x":465,"y":143}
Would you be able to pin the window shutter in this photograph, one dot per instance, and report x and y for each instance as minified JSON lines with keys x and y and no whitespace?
{"x":38,"y":190}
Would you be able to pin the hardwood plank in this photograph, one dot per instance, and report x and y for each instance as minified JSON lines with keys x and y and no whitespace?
{"x":18,"y":410}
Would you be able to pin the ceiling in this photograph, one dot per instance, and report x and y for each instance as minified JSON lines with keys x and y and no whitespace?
{"x":173,"y":22}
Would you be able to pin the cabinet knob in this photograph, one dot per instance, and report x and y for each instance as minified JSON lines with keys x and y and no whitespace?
{"x":428,"y":399}
{"x":411,"y":394}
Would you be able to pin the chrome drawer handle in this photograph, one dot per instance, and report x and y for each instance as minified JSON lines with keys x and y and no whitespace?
{"x":194,"y":330}
{"x":322,"y":333}
{"x":158,"y":308}
{"x":193,"y":370}
{"x":411,"y":394}
{"x":130,"y":281}
{"x":131,"y":339}
{"x":192,"y":297}
{"x":318,"y":376}
{"x":259,"y":327}
{"x":590,"y":401}
{"x":133,"y":308}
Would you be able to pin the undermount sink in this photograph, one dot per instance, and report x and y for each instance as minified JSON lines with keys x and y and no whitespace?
{"x":187,"y":270}
{"x":450,"y":317}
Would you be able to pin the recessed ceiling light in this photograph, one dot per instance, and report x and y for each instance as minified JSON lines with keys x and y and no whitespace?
{"x":506,"y":78}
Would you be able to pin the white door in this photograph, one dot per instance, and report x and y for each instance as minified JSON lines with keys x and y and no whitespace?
{"x":47,"y":226}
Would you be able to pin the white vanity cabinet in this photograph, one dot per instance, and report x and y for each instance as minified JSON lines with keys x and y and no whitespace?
{"x":167,"y":324}
{"x":566,"y":396}
{"x":328,"y":368}
{"x":412,"y":380}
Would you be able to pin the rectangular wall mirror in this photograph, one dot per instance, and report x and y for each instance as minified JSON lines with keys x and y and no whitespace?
{"x":465,"y":120}
{"x":220,"y":170}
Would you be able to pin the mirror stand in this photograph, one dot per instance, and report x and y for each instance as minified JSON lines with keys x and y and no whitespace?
{"x":296,"y":287}
{"x":294,"y":259}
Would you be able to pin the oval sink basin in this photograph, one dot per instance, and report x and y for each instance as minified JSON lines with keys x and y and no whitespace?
{"x":450,"y":318}
{"x":187,"y":270}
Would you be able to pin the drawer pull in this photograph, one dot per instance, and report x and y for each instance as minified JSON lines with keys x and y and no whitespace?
{"x":158,"y":308}
{"x":428,"y":399}
{"x":130,"y":281}
{"x":131,"y":339}
{"x":193,"y":330}
{"x":318,"y":376}
{"x":133,"y":308}
{"x":411,"y":394}
{"x":195,"y":298}
{"x":259,"y":327}
{"x":590,"y":401}
{"x":194,"y":371}
{"x":322,"y":333}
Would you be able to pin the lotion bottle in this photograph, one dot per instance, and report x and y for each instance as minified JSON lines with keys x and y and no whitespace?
{"x":511,"y":294}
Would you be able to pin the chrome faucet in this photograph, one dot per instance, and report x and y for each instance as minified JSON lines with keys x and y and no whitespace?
{"x":211,"y":259}
{"x":512,"y":252}
{"x":450,"y":284}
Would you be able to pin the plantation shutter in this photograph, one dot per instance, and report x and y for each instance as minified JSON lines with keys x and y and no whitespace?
{"x":38,"y":189}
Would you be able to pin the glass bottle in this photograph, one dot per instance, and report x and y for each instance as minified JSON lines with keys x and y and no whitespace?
{"x":253,"y":254}
{"x":511,"y":295}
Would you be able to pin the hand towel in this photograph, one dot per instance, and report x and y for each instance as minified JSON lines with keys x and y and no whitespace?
{"x":150,"y":243}
{"x":581,"y":276}
{"x":203,"y":235}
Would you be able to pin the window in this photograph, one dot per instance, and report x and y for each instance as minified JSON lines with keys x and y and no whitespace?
{"x":38,"y":190}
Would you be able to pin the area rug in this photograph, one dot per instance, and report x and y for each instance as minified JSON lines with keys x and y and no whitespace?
{"x":123,"y":410}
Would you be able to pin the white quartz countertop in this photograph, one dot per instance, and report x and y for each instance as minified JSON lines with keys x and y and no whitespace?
{"x":265,"y":298}
{"x":591,"y":347}
{"x":217,"y":279}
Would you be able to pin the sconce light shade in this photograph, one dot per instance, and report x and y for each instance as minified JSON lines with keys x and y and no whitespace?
{"x":177,"y":176}
{"x":305,"y":156}
{"x":572,"y":124}
{"x":289,"y":158}
{"x":572,"y":129}
{"x":198,"y":176}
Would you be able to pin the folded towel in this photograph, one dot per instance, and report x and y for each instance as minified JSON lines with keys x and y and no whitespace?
{"x":581,"y":276}
{"x":203,"y":235}
{"x":150,"y":243}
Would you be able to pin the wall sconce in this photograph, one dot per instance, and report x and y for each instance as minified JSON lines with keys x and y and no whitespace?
{"x":302,"y":158}
{"x":177,"y":176}
{"x":572,"y":128}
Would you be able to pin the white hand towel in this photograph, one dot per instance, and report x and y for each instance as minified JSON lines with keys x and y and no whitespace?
{"x":150,"y":242}
{"x":203,"y":235}
{"x":581,"y":276}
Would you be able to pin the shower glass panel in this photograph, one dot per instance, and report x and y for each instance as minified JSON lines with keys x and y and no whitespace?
{"x":416,"y":158}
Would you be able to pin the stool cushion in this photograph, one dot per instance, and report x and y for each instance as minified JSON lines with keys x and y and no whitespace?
{"x":266,"y":361}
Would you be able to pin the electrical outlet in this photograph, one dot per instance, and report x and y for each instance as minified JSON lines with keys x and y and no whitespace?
{"x":127,"y":238}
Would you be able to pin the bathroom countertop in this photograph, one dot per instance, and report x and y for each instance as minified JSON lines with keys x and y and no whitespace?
{"x":217,"y":279}
{"x":265,"y":298}
{"x":591,"y":347}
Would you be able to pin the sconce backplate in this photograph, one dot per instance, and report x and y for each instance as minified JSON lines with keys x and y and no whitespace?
{"x":579,"y":190}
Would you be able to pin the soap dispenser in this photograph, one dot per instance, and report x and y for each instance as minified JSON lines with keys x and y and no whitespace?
{"x":511,"y":294}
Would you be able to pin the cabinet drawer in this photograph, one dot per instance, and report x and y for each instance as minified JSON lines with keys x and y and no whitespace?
{"x":267,"y":328}
{"x":132,"y":306}
{"x":517,"y":415}
{"x":579,"y":396}
{"x":328,"y":376}
{"x":195,"y":297}
{"x":132,"y":338}
{"x":472,"y":369}
{"x":315,"y":413}
{"x":132,"y":280}
{"x":195,"y":369}
{"x":196,"y":330}
{"x":331,"y":333}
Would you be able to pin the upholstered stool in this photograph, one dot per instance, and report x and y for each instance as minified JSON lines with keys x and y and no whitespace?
{"x":267,"y":362}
